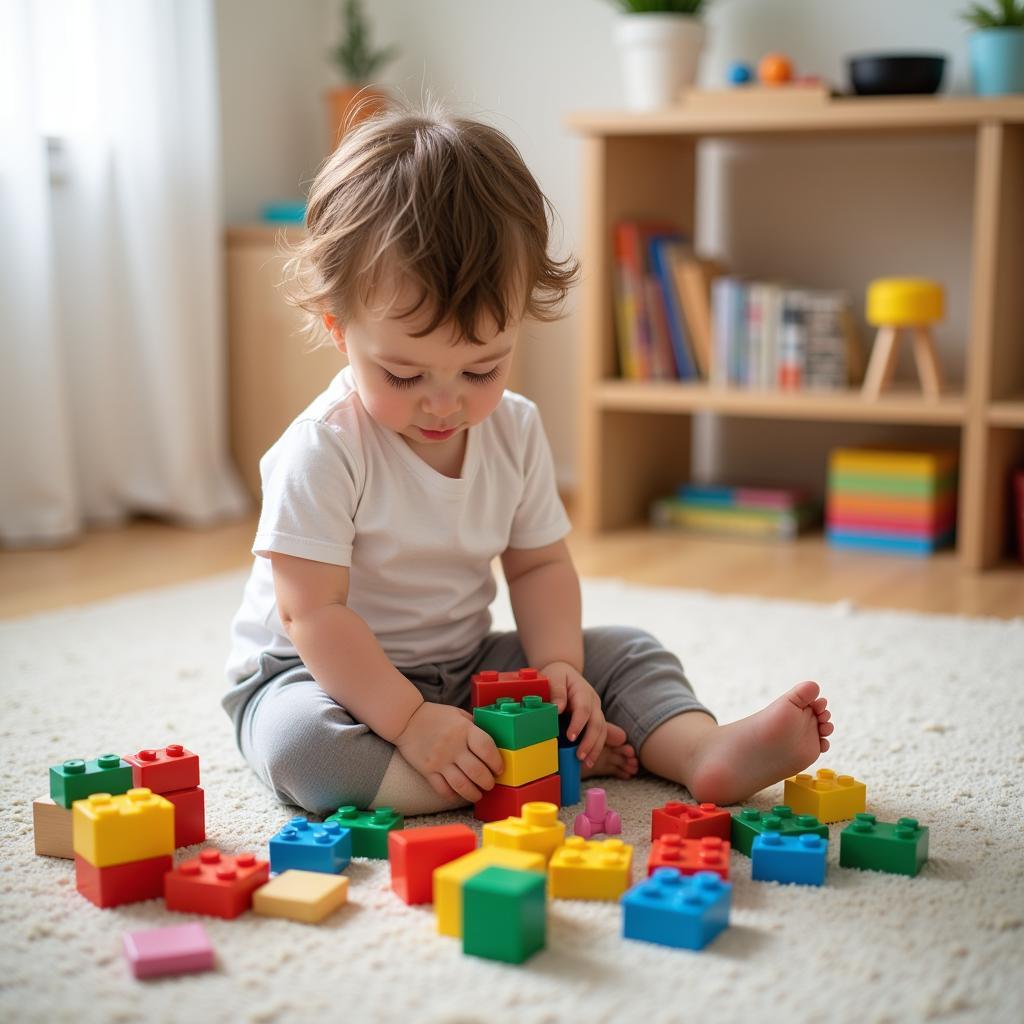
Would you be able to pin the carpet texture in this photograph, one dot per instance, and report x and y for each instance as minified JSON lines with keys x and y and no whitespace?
{"x":928,"y":711}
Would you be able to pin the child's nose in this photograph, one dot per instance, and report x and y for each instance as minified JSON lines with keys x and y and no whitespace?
{"x":441,"y":404}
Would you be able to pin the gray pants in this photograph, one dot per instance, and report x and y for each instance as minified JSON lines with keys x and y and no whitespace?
{"x":312,"y":753}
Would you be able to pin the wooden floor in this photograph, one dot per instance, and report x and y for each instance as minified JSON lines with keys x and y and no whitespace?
{"x":147,"y":553}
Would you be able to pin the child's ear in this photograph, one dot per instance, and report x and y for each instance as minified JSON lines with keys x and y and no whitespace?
{"x":335,"y":330}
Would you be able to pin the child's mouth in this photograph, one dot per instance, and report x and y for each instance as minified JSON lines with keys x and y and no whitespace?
{"x":436,"y":435}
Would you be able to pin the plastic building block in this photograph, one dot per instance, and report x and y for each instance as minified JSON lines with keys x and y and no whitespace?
{"x":189,"y":815}
{"x":416,"y":853}
{"x":451,"y":877}
{"x":829,"y":797}
{"x":750,"y":822}
{"x":537,"y":829}
{"x":180,"y":949}
{"x":688,"y":856}
{"x":51,"y":829}
{"x":131,"y":882}
{"x":311,"y":846}
{"x":76,"y":779}
{"x":165,"y":770}
{"x":528,"y":763}
{"x":563,"y":730}
{"x":514,"y":724}
{"x":508,"y":801}
{"x":307,"y":896}
{"x":487,"y":687}
{"x":504,"y":915}
{"x":370,"y":829}
{"x":900,"y":848}
{"x":778,"y":858}
{"x":597,"y":817}
{"x":109,"y":830}
{"x":591,"y":869}
{"x":215,"y":884}
{"x":685,"y":912}
{"x":569,"y":775}
{"x":691,"y":821}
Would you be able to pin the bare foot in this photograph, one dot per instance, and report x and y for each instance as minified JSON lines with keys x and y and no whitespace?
{"x":735,"y":760}
{"x":618,"y":757}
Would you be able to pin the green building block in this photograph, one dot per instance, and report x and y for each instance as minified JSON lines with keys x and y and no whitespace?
{"x":504,"y":914}
{"x":751,"y":822}
{"x":77,"y":779}
{"x":514,"y":724}
{"x":900,"y":848}
{"x":369,"y":829}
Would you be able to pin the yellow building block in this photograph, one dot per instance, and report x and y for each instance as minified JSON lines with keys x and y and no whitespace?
{"x":829,"y":797}
{"x":591,"y":869}
{"x":538,"y":830}
{"x":136,"y":825}
{"x":450,"y":877}
{"x":528,"y":763}
{"x":307,"y":896}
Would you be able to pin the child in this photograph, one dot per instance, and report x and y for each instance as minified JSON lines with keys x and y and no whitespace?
{"x":386,"y":500}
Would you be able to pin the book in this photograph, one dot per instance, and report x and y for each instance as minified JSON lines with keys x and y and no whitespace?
{"x":666,"y":252}
{"x":662,"y":361}
{"x":694,"y":278}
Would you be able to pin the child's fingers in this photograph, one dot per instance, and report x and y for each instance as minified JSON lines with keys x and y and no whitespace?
{"x":440,"y":787}
{"x":580,"y":717}
{"x":475,"y":770}
{"x":593,"y":742}
{"x":559,"y":696}
{"x":486,"y":750}
{"x":456,"y":778}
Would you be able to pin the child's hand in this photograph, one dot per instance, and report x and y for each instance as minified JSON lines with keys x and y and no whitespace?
{"x":455,"y":756}
{"x":570,"y":689}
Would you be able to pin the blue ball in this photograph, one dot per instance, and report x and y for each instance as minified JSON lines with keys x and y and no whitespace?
{"x":740,"y":73}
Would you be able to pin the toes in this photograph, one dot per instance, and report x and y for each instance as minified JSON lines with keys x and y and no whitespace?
{"x":616,"y":735}
{"x":824,"y":716}
{"x":826,"y":730}
{"x":824,"y":745}
{"x":819,"y":705}
{"x":804,"y":693}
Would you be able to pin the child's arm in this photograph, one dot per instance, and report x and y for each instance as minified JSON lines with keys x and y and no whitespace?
{"x":348,"y":663}
{"x":545,"y":594}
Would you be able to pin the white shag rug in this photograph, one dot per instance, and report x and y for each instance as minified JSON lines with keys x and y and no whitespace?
{"x":928,"y":711}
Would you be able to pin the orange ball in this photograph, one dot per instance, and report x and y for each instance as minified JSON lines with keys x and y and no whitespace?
{"x":774,"y":69}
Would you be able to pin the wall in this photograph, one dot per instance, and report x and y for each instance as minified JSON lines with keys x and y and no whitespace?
{"x":812,"y":212}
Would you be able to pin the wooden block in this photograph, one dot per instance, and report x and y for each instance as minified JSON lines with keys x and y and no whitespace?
{"x":307,"y":896}
{"x":51,"y":827}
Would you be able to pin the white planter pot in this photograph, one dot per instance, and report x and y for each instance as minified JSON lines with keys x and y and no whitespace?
{"x":659,"y":56}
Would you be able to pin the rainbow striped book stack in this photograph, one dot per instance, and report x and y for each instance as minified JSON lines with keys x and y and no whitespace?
{"x":900,"y":501}
{"x":767,"y":512}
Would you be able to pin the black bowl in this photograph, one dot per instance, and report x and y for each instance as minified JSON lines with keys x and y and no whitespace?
{"x":896,"y":74}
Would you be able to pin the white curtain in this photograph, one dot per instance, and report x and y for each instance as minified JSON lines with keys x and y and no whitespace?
{"x":112,"y":381}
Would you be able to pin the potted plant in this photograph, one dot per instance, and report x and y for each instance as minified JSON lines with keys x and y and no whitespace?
{"x":660,"y":43}
{"x":358,"y":63}
{"x":997,"y":46}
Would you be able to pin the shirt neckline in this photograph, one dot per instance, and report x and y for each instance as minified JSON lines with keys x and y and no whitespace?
{"x":427,"y":473}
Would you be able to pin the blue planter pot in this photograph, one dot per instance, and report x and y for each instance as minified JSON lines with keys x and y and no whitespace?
{"x":997,"y":60}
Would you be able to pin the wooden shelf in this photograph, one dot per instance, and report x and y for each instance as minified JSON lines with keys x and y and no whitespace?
{"x":840,"y":406}
{"x":1009,"y":413}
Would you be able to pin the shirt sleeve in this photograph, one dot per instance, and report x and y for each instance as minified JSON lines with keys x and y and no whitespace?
{"x":540,"y":517}
{"x":311,"y":487}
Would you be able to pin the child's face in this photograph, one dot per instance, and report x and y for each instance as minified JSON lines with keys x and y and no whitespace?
{"x":427,"y":389}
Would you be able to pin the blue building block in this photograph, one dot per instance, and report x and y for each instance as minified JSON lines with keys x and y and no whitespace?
{"x":311,"y":846}
{"x":569,"y":775}
{"x":671,"y":909}
{"x":779,"y":858}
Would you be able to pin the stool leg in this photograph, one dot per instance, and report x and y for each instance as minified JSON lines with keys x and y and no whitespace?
{"x":882,"y":362}
{"x":927,"y":360}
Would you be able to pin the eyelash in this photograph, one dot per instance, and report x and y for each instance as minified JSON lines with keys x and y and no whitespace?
{"x":475,"y":378}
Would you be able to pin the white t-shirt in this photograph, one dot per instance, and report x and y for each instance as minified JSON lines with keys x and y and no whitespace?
{"x":340,"y":488}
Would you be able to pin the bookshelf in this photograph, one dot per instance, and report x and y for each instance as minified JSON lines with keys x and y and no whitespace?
{"x":635,"y":436}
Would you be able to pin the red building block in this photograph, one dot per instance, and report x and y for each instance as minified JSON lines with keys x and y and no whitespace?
{"x":216,"y":884}
{"x":121,"y":883}
{"x":164,"y":771}
{"x":415,"y":852}
{"x":189,"y":815}
{"x":691,"y":821}
{"x":527,"y":682}
{"x":507,"y":801}
{"x":709,"y":853}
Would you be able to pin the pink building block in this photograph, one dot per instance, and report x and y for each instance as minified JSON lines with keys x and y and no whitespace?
{"x":176,"y":950}
{"x":596,"y":817}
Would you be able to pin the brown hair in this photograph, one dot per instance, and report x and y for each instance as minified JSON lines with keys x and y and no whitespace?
{"x":445,"y":203}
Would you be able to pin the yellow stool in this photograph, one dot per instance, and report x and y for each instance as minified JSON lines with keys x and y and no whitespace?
{"x":895,"y":303}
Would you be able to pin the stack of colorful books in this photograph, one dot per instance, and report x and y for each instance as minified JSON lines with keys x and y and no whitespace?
{"x":901,"y":501}
{"x":778,"y":513}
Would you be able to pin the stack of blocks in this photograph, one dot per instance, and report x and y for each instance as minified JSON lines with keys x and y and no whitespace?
{"x":893,"y":501}
{"x":514,"y":709}
{"x":123,"y":846}
{"x":174,"y":773}
{"x":750,"y":823}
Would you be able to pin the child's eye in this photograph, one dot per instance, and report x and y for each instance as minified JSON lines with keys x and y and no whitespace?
{"x":483,"y":378}
{"x":400,"y":382}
